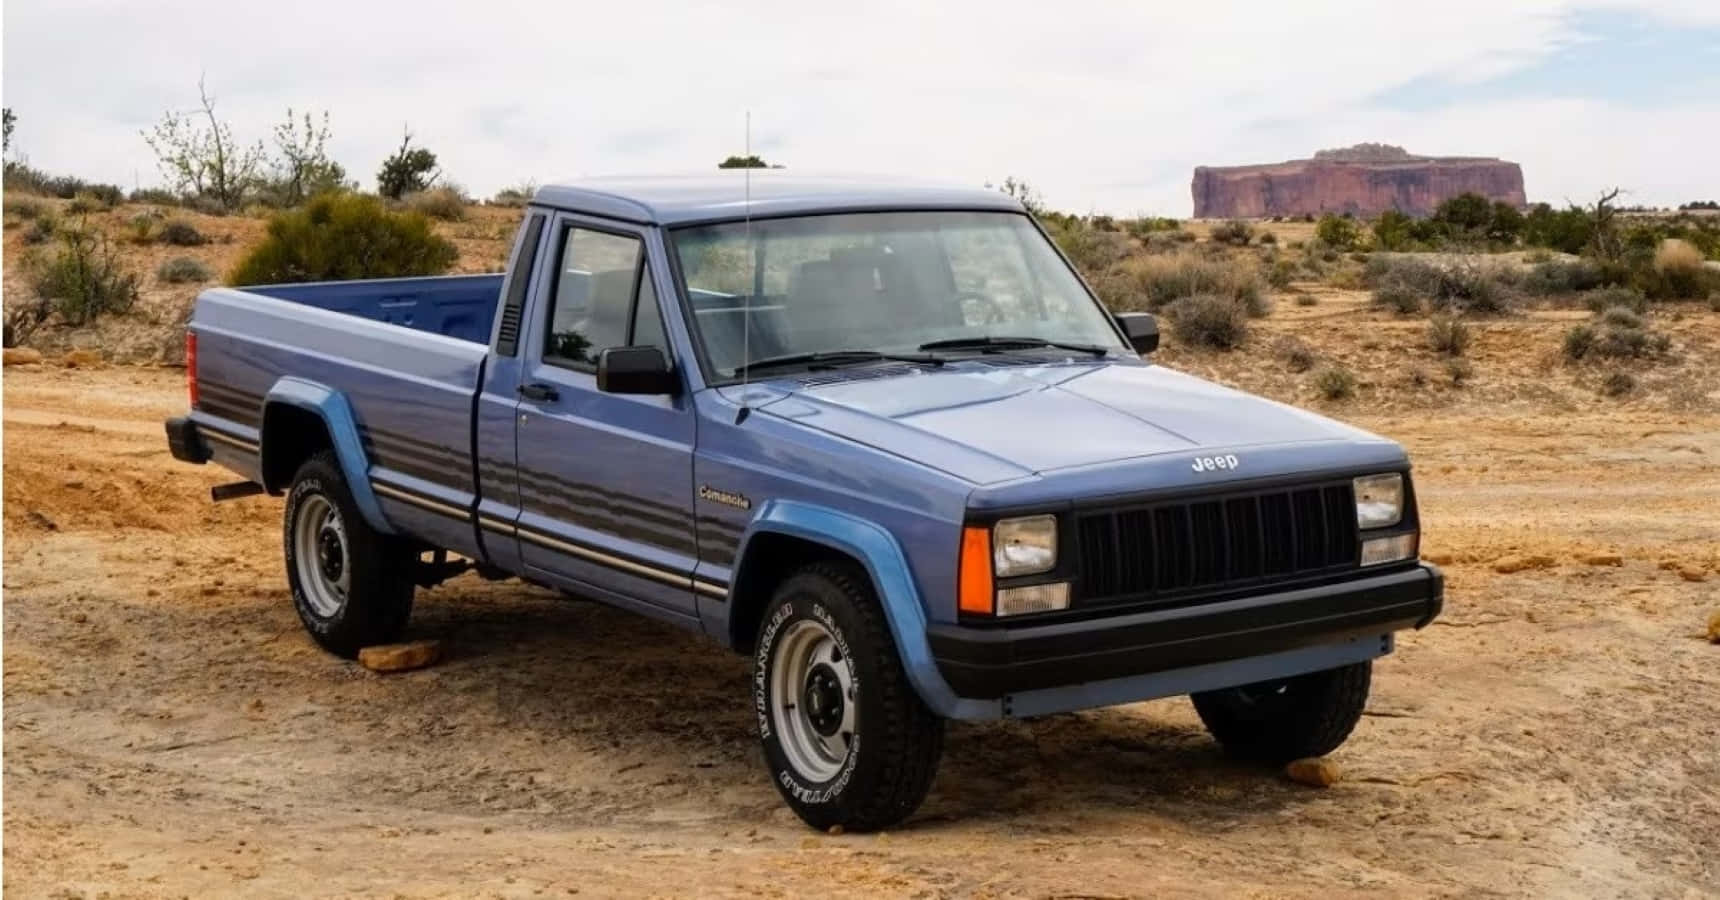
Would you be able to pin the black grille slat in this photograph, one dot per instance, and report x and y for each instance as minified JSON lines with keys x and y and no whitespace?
{"x":1206,"y":544}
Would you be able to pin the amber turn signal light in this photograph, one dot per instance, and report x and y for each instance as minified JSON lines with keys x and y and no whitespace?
{"x":975,"y":589}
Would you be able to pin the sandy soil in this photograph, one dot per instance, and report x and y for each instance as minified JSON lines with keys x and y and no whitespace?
{"x":169,"y":731}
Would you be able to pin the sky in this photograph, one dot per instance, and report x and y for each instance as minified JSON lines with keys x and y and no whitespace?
{"x":1102,"y":107}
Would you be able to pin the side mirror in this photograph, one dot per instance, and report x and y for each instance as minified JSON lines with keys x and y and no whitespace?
{"x":635,"y":370}
{"x":1142,"y":330}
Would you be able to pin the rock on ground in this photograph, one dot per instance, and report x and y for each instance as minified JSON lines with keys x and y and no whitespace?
{"x":400,"y":657}
{"x":1506,"y":565}
{"x":1316,"y":771}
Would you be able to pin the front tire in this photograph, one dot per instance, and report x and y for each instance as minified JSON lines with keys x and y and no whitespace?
{"x":352,"y":586}
{"x":847,"y":740}
{"x":1289,"y":718}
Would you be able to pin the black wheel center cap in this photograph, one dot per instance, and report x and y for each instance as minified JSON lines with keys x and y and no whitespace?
{"x":330,"y":558}
{"x":823,"y":699}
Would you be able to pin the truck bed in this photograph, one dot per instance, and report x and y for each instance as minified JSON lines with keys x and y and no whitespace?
{"x":457,"y":306}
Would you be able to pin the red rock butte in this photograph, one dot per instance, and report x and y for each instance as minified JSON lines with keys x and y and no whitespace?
{"x":1364,"y":180}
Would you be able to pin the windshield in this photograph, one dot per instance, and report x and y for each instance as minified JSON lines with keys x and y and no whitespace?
{"x":887,"y":282}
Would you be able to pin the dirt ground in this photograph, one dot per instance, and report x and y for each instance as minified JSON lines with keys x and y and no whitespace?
{"x":170,"y":731}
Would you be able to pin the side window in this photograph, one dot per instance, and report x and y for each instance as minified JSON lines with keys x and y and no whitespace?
{"x":648,"y":319}
{"x":593,"y":296}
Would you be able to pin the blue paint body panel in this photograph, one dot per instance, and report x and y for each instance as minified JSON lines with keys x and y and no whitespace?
{"x":633,"y":499}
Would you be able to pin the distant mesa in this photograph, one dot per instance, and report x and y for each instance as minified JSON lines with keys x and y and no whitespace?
{"x":1363,"y":180}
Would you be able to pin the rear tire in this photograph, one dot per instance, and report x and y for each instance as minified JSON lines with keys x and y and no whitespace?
{"x":847,"y":740}
{"x":352,"y":585}
{"x":1290,"y":718}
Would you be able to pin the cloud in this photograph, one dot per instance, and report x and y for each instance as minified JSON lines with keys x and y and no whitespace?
{"x":1104,"y":106}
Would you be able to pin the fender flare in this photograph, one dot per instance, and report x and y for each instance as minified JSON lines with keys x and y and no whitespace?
{"x":877,"y":550}
{"x":336,"y":413}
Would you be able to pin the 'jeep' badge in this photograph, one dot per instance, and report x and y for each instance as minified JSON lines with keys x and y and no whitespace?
{"x":1215,"y":463}
{"x":738,"y":501}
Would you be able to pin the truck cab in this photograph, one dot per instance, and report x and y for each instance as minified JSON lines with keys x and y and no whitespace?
{"x":879,"y":436}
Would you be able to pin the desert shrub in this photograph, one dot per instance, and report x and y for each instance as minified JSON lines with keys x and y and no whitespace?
{"x":41,"y":230}
{"x":517,"y":195}
{"x":408,"y":170}
{"x":1296,"y":245}
{"x":1307,"y":299}
{"x":1392,"y":231}
{"x":1233,"y":231}
{"x":1090,"y":250}
{"x":84,"y":279}
{"x":1579,"y":342}
{"x":87,"y":202}
{"x":1151,"y":282}
{"x":1606,"y":298}
{"x":1145,"y":225}
{"x":1448,"y":335}
{"x":1398,"y":298}
{"x":155,"y":197}
{"x":1567,"y":230}
{"x":1297,"y":355}
{"x":1338,"y":232}
{"x":1714,"y":301}
{"x":1558,"y":276}
{"x":27,"y":207}
{"x":1619,"y":342}
{"x":1462,"y":287}
{"x":1208,"y":320}
{"x":1677,"y":272}
{"x":336,"y":237}
{"x":1268,"y":238}
{"x":182,"y":269}
{"x":141,"y":227}
{"x":1618,"y":384}
{"x":24,"y":179}
{"x":446,"y":202}
{"x":1459,"y":371}
{"x":181,"y":233}
{"x":1537,"y":256}
{"x":1281,"y":273}
{"x":1621,"y":317}
{"x":1164,"y":241}
{"x":1335,"y":383}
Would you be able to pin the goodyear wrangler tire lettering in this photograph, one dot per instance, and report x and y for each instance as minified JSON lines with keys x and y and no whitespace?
{"x":846,"y":739}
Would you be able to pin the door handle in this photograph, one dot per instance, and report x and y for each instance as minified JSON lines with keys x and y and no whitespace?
{"x":539,"y":392}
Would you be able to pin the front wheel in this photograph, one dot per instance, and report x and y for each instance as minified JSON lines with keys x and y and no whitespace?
{"x":1288,"y":718}
{"x":352,"y":586}
{"x":847,"y":740}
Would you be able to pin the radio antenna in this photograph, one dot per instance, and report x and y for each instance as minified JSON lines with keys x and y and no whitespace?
{"x":758,"y":277}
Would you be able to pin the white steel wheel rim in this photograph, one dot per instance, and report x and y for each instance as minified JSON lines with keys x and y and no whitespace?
{"x":321,"y":555}
{"x":813,"y":700}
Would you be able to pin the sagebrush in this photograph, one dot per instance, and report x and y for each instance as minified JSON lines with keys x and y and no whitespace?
{"x":338,"y":236}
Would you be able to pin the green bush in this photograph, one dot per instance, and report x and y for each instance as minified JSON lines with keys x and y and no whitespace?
{"x":446,"y":202}
{"x":1621,"y":317}
{"x":1233,"y":231}
{"x":1398,"y":298}
{"x":182,"y":269}
{"x":1567,"y":230}
{"x":1560,"y":276}
{"x":181,"y":233}
{"x":1281,"y":273}
{"x":142,"y":226}
{"x":87,"y":202}
{"x":1335,"y":383}
{"x":1448,"y":335}
{"x":1676,"y":272}
{"x":1208,"y":320}
{"x":517,"y":195}
{"x":1392,"y":231}
{"x":21,"y":177}
{"x":1151,"y":282}
{"x":155,"y":197}
{"x":1579,"y":342}
{"x":1090,"y":250}
{"x":1338,"y":232}
{"x":1461,"y":287}
{"x":84,"y":280}
{"x":1268,"y":238}
{"x":337,"y":237}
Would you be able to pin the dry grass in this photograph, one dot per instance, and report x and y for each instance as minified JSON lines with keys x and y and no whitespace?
{"x":1677,"y":257}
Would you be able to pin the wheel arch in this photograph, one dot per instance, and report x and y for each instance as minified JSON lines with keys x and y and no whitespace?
{"x":301,"y":418}
{"x":807,"y":533}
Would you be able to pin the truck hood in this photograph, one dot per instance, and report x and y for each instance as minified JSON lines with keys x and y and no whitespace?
{"x":989,"y":422}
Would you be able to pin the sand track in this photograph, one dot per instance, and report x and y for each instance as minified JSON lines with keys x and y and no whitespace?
{"x":170,"y":732}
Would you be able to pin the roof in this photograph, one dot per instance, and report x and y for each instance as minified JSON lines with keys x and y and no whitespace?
{"x":678,"y":200}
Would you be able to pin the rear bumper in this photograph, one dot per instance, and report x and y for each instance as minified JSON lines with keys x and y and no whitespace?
{"x":186,"y":444}
{"x":996,"y":662}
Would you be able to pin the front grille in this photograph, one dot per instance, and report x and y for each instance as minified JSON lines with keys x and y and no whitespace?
{"x":1208,"y":544}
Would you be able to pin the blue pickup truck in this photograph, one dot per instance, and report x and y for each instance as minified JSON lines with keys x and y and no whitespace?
{"x":878,"y":436}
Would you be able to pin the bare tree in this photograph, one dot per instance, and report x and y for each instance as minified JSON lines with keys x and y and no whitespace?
{"x":199,"y":155}
{"x":1603,"y":229}
{"x":301,"y":163}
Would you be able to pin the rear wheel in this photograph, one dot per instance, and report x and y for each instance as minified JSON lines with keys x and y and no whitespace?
{"x":352,"y":585}
{"x":847,"y":740}
{"x":1288,"y":718}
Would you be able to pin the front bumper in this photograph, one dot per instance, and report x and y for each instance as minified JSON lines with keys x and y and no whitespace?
{"x":996,"y":662}
{"x":184,"y":441}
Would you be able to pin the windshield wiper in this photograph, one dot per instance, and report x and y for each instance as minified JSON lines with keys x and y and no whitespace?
{"x":993,"y":343}
{"x":828,"y":358}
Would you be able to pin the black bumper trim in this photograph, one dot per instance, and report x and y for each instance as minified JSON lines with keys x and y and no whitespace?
{"x":993,"y":662}
{"x":185,"y":442}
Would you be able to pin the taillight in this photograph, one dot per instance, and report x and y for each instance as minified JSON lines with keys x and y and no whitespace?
{"x":191,"y":366}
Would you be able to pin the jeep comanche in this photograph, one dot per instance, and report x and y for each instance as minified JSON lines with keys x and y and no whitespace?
{"x":878,"y":435}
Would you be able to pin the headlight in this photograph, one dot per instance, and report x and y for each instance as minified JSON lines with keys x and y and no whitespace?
{"x":1379,"y":501}
{"x":1024,"y":546}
